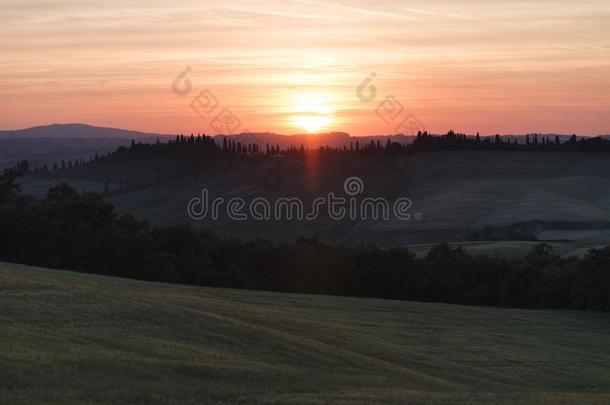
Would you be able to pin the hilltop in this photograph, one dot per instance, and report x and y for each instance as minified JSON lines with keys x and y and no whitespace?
{"x":45,"y":144}
{"x":79,"y":131}
{"x":462,"y":189}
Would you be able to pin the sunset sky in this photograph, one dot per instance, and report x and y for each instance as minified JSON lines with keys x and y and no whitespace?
{"x":292,"y":66}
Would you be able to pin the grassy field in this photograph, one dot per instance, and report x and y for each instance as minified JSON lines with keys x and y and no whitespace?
{"x":73,"y":338}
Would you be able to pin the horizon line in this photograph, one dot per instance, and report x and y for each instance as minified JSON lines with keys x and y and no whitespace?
{"x":298,"y":134}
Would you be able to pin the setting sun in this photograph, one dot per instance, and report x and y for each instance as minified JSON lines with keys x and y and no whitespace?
{"x":312,"y":123}
{"x":312,"y":111}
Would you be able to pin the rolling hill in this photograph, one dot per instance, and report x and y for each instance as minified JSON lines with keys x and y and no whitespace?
{"x":78,"y":131}
{"x":72,"y":338}
{"x":52,"y":143}
{"x":564,"y":196}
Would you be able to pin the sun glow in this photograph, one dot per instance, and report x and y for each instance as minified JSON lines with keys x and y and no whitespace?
{"x":312,"y":111}
{"x":312,"y":123}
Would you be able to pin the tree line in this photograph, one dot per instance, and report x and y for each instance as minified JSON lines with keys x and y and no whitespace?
{"x":423,"y":142}
{"x":81,"y":232}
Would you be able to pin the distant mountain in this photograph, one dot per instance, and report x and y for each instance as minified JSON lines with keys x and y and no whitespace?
{"x":333,"y":139}
{"x":52,"y":143}
{"x":81,"y":131}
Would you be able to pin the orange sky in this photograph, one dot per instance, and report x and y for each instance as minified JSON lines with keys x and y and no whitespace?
{"x":472,"y":65}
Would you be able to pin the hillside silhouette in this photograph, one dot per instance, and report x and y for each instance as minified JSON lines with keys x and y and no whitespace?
{"x":467,"y":190}
{"x":82,"y":232}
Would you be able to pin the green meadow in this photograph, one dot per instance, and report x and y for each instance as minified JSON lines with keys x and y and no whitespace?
{"x":72,"y":338}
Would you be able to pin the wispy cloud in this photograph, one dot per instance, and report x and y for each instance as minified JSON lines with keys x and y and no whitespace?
{"x":471,"y":65}
{"x":437,"y":14}
{"x":286,"y":14}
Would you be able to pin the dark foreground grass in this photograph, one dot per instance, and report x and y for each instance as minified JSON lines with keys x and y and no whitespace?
{"x":69,"y":338}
